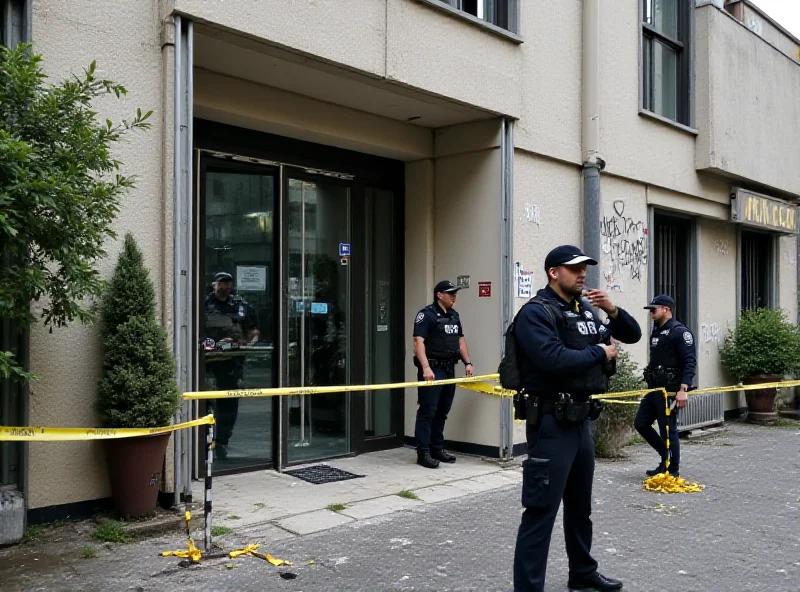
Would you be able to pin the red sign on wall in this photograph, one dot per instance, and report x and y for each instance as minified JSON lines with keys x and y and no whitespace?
{"x":484,"y":289}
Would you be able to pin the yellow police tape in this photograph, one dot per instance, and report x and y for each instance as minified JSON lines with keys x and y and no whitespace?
{"x":38,"y":434}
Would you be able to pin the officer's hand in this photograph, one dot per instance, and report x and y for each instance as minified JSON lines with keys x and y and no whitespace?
{"x":469,"y":370}
{"x":601,"y":300}
{"x":427,"y":374}
{"x":680,"y":398}
{"x":611,"y":351}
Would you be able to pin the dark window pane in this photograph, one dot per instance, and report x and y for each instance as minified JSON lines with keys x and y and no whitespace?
{"x":665,"y":81}
{"x":662,"y":15}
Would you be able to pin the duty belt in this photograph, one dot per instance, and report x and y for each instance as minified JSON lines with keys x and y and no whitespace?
{"x":564,"y":408}
{"x":662,"y":375}
{"x":442,"y":364}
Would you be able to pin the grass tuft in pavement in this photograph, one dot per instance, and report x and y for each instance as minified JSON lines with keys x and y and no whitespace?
{"x":218,"y":531}
{"x":111,"y":532}
{"x":89,"y":552}
{"x":405,"y":494}
{"x":336,"y":507}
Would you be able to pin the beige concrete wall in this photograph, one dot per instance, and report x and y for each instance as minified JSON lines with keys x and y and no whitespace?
{"x":787,"y":275}
{"x":68,"y":361}
{"x":419,"y":264}
{"x":402,"y":41}
{"x":546,"y":213}
{"x":467,"y":242}
{"x":551,"y":81}
{"x":747,"y":104}
{"x":770,"y":33}
{"x":716,"y":307}
{"x":351,"y":33}
{"x":431,"y":50}
{"x":246,"y":104}
{"x":625,"y":260}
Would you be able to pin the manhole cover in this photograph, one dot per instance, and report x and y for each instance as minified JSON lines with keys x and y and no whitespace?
{"x":322,"y":474}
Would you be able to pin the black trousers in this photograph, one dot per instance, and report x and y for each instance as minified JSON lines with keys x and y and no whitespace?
{"x":225,"y":410}
{"x":651,"y":409}
{"x":434,"y":405}
{"x":560,"y":466}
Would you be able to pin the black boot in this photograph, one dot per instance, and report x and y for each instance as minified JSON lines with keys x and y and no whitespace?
{"x":424,"y":459}
{"x":442,"y":456}
{"x":595,"y":581}
{"x":675,"y":471}
{"x":661,"y":468}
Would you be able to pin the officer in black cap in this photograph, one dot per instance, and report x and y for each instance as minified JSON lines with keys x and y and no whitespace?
{"x":672,"y":366}
{"x":564,"y":355}
{"x":230,"y":323}
{"x":438,"y":345}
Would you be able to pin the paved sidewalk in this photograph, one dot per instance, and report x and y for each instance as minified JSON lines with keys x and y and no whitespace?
{"x":275,"y":506}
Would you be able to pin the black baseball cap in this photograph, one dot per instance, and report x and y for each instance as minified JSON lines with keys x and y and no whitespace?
{"x":566,"y":255}
{"x":445,"y":286}
{"x":223,"y":276}
{"x":662,"y":300}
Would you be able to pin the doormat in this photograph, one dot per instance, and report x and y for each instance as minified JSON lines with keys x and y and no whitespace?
{"x":320,"y":474}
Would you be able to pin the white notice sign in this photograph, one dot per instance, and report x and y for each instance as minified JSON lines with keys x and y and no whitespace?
{"x":524,"y":283}
{"x":252,"y":278}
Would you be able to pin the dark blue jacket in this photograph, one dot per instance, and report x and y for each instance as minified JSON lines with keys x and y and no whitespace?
{"x":543,"y":357}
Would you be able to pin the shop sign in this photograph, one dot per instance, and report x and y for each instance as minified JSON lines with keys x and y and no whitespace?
{"x":754,"y":209}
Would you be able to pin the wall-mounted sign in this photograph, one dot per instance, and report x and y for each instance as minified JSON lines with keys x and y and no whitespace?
{"x":462,"y":281}
{"x":484,"y":289}
{"x":768,"y":213}
{"x":251,"y":278}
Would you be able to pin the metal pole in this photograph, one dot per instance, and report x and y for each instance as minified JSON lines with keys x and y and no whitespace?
{"x":188,"y":315}
{"x":506,"y":451}
{"x":207,"y":505}
{"x":176,"y":240}
{"x":592,"y":161}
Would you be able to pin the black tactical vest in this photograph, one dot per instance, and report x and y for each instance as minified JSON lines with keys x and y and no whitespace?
{"x":442,"y":342}
{"x":576,"y":330}
{"x":666,"y":367}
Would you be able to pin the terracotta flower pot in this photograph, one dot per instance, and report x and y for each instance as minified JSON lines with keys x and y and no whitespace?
{"x":134,"y":469}
{"x":761,"y":403}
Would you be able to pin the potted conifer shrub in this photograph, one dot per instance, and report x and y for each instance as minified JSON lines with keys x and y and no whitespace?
{"x":764,"y":347}
{"x":138,"y":387}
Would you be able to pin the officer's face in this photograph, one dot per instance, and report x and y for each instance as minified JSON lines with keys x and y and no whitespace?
{"x":658,"y":313}
{"x":447,"y":299}
{"x":570,"y":278}
{"x":222,"y":289}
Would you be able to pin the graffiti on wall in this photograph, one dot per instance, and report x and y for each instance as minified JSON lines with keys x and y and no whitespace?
{"x":709,"y":332}
{"x":624,"y":241}
{"x":721,"y":246}
{"x":532,"y":213}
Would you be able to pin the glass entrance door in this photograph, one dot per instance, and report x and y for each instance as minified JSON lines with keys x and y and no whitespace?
{"x":238,"y":297}
{"x":318,"y":303}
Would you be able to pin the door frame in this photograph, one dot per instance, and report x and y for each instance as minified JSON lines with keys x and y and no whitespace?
{"x":208,"y":160}
{"x":291,"y":156}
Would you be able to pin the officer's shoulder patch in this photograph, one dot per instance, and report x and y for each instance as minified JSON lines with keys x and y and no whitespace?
{"x":420,"y":318}
{"x":687,"y":337}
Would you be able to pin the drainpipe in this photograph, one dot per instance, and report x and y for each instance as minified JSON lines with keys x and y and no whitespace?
{"x":593,"y":163}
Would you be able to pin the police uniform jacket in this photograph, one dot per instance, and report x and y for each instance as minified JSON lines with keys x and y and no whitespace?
{"x":441,"y":331}
{"x":561,"y":353}
{"x":672,"y":349}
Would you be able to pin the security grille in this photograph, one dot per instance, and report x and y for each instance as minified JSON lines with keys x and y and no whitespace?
{"x":702,"y":411}
{"x":757,"y":270}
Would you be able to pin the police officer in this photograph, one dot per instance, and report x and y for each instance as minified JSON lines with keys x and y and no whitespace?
{"x":564,"y":356}
{"x":673,"y":363}
{"x":230,"y":323}
{"x":438,"y":345}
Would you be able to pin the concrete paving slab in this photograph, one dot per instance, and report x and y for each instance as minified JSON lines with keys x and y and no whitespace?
{"x":313,"y":522}
{"x":378,"y":507}
{"x":439,"y":493}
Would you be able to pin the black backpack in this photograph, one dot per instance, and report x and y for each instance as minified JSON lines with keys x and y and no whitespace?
{"x":510,"y":375}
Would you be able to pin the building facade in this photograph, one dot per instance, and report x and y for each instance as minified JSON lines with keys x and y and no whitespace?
{"x":338,"y":158}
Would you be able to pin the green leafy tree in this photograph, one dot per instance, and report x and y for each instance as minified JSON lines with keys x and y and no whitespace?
{"x":60,"y":190}
{"x":138,"y":387}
